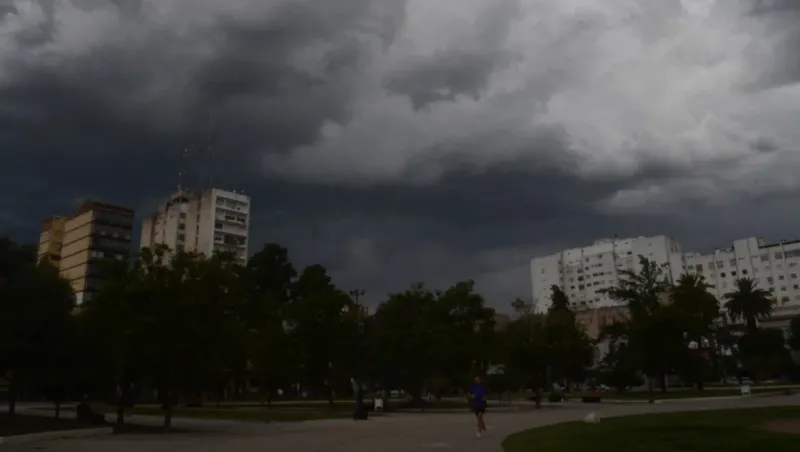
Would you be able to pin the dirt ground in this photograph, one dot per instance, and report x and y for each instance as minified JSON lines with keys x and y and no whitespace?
{"x":789,"y":426}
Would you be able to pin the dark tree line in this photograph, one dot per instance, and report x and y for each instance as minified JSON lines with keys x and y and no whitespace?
{"x":181,"y":328}
{"x":681,"y":329}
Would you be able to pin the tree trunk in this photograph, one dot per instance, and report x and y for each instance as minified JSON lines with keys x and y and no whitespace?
{"x":538,"y":398}
{"x":121,"y":411}
{"x":662,"y":381}
{"x":330,"y":395}
{"x":752,"y":326}
{"x":12,"y":398}
{"x":167,"y":407}
{"x":58,"y":410}
{"x":650,"y":398}
{"x":168,"y":417}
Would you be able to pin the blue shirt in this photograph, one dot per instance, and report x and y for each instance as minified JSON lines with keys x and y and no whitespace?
{"x":478,"y":395}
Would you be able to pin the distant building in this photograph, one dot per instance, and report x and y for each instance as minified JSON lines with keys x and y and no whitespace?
{"x":501,"y":322}
{"x":774,"y":266}
{"x":51,"y":240}
{"x":582,"y":273}
{"x":211,"y":221}
{"x":594,"y":320}
{"x":80,"y":244}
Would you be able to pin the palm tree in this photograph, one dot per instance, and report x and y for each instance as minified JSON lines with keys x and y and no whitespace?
{"x":697,"y":307}
{"x":749,"y":303}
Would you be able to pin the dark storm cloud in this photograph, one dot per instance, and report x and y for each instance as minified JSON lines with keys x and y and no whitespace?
{"x":486,"y":166}
{"x":443,"y":77}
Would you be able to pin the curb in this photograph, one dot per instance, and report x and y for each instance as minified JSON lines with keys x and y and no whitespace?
{"x":59,"y":434}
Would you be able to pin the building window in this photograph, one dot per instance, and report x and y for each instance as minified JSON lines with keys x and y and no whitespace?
{"x":183,"y":215}
{"x":181,"y":227}
{"x":770,"y":280}
{"x":780,"y":277}
{"x":778,"y":255}
{"x":793,"y":275}
{"x":733,"y":273}
{"x":733,"y":262}
{"x":722,"y":275}
{"x":744,"y":271}
{"x":720,"y":264}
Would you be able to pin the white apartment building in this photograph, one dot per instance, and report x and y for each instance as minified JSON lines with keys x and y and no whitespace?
{"x":210,"y":221}
{"x":583,"y":272}
{"x":775,"y":267}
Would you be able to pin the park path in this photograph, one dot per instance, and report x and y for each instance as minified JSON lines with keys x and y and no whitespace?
{"x":391,"y":433}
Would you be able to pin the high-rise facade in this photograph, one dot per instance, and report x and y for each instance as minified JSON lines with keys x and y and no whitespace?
{"x":51,"y":240}
{"x":211,"y":221}
{"x":774,"y":266}
{"x":582,"y":273}
{"x":81,"y":245}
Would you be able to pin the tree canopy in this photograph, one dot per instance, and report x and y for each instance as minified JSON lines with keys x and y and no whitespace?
{"x":195,"y":329}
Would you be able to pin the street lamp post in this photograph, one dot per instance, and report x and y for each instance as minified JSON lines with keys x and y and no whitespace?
{"x":358,"y":389}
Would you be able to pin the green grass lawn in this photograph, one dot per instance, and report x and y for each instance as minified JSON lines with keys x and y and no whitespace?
{"x":682,"y":393}
{"x":19,"y":424}
{"x":283,"y":411}
{"x":711,"y":431}
{"x":249,"y":413}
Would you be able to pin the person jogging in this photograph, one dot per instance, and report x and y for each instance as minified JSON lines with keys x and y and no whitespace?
{"x":477,"y":394}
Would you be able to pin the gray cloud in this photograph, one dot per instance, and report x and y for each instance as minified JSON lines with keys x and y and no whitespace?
{"x":403,"y":140}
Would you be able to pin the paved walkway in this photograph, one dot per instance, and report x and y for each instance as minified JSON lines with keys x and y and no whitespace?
{"x":391,"y":433}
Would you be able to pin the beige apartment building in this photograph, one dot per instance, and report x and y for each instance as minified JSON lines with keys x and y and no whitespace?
{"x":51,"y":239}
{"x":211,"y":221}
{"x":594,"y":320}
{"x":81,"y":244}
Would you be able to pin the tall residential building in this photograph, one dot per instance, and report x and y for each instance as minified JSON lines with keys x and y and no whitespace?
{"x":210,"y":221}
{"x":51,"y":240}
{"x":774,"y":266}
{"x":583,"y":272}
{"x":79,"y":245}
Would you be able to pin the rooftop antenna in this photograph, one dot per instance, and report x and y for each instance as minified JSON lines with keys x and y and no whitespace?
{"x":211,"y":136}
{"x":182,"y":170}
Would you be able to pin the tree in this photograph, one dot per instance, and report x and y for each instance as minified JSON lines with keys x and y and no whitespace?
{"x":696,"y":309}
{"x":35,"y":308}
{"x":655,"y":339}
{"x":172,"y":322}
{"x":526,"y":357}
{"x":764,"y":353}
{"x":794,"y":333}
{"x":569,"y":349}
{"x":319,"y":323}
{"x":401,"y":340}
{"x":420,"y":337}
{"x":749,"y":303}
{"x":619,"y":369}
{"x":268,"y":281}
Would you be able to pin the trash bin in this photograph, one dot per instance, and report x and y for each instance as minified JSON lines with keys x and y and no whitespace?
{"x":745,"y":390}
{"x":378,"y":404}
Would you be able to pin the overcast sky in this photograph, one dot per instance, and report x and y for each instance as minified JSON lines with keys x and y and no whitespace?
{"x":412,"y":140}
